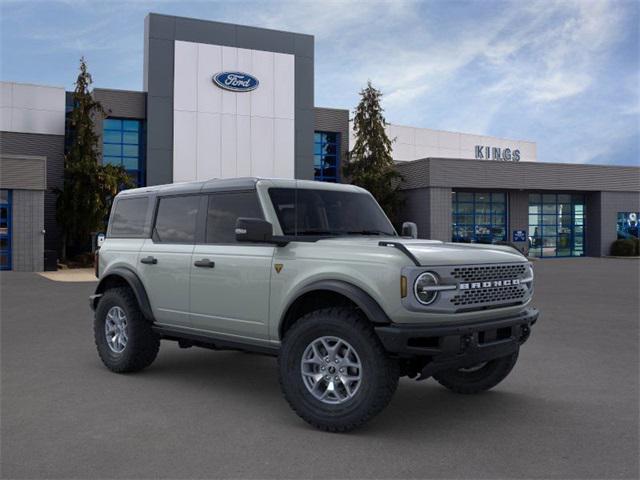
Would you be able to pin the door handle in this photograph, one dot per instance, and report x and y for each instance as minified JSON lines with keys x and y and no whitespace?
{"x":205,"y":263}
{"x":149,"y":260}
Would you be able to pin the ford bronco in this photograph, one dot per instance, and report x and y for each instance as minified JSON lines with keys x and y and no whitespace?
{"x":312,"y":273}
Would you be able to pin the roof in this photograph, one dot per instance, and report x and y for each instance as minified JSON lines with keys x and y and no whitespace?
{"x":464,"y":173}
{"x":242,"y":183}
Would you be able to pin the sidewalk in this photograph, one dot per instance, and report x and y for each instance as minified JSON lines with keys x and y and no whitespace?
{"x":71,"y":275}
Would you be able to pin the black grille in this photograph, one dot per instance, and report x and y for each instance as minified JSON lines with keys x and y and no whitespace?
{"x":483,"y":296}
{"x":487,"y":273}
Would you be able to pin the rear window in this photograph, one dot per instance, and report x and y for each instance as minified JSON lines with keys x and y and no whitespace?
{"x":176,"y":219}
{"x":129,"y":218}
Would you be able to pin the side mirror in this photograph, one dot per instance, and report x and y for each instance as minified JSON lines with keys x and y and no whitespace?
{"x":253,"y":230}
{"x":409,"y":229}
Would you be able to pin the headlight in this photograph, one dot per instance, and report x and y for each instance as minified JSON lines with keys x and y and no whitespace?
{"x":423,"y":288}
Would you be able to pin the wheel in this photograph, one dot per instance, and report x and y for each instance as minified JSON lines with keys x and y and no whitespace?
{"x":333,"y":370}
{"x":477,"y":378}
{"x":124,"y":338}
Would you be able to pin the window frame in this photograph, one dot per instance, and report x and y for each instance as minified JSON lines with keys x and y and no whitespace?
{"x":199,"y":231}
{"x":539,"y":199}
{"x":140,"y":172}
{"x":322,"y":177}
{"x":205,"y":221}
{"x":475,"y":213}
{"x":146,"y":231}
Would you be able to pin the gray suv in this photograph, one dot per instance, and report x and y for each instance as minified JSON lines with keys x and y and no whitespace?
{"x":312,"y":273}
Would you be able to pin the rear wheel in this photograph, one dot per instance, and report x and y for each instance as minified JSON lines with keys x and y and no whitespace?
{"x":123,"y":337}
{"x":333,"y":370}
{"x":477,"y":378}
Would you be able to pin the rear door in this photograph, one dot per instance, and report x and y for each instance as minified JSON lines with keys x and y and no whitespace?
{"x":165,"y":258}
{"x":230,"y":280}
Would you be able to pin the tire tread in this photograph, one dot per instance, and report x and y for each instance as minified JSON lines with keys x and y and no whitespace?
{"x":145,"y":341}
{"x":389,"y":372}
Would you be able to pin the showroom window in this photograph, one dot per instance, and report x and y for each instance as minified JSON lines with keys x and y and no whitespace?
{"x":556,"y":225}
{"x":123,"y":144}
{"x":326,"y":156}
{"x":479,"y":217}
{"x":627,"y":225}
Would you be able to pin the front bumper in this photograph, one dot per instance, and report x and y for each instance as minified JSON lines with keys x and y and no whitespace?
{"x":458,"y":346}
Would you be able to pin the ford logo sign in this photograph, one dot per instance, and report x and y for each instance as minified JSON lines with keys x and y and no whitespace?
{"x":236,"y":81}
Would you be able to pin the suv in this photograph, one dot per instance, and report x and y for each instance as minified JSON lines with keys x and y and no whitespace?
{"x":314,"y":274}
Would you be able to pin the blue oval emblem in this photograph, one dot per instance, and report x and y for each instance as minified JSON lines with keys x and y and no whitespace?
{"x":236,"y":81}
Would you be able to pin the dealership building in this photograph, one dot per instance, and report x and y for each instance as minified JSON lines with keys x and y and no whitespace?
{"x":222,"y":100}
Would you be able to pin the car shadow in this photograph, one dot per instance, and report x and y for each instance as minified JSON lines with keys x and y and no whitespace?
{"x":253,"y":379}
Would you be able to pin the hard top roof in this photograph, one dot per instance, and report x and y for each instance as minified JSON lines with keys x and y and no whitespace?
{"x":242,"y":183}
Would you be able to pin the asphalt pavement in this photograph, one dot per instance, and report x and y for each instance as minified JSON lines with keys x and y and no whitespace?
{"x":568,"y":410}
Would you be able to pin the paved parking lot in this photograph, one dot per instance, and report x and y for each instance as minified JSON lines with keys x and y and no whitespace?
{"x":569,"y":409}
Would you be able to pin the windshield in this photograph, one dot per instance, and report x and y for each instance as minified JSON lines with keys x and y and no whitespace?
{"x":328,"y":212}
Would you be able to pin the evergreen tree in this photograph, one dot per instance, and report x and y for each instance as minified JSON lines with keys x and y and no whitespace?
{"x":84,"y":202}
{"x":370,"y":164}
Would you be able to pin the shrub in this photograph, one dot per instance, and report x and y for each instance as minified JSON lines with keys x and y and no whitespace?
{"x":624,"y":248}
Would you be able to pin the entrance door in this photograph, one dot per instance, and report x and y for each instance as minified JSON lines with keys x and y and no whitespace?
{"x":5,"y":229}
{"x":229,"y":280}
{"x":556,"y":225}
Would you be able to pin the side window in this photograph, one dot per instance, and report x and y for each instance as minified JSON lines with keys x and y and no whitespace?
{"x":224,"y":210}
{"x":129,"y":217}
{"x":176,"y":219}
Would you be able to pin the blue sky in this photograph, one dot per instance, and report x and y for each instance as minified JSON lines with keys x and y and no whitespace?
{"x":564,"y":74}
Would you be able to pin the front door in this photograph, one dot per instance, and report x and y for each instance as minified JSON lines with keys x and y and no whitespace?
{"x":229,"y":280}
{"x":165,"y":259}
{"x":5,"y":230}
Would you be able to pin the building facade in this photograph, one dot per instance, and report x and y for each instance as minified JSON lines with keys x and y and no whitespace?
{"x":222,"y":100}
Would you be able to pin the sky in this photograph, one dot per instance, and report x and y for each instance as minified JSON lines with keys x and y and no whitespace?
{"x":565,"y":74}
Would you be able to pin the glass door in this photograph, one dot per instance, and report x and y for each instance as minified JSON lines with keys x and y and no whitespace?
{"x":556,"y":225}
{"x":5,"y":230}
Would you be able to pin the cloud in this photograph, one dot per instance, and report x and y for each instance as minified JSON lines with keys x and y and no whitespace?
{"x":562,"y":73}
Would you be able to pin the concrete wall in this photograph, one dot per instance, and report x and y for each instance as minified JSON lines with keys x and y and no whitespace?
{"x":412,"y":143}
{"x":430,"y":209}
{"x":223,"y":134}
{"x":26,"y":108}
{"x":27,"y":240}
{"x":161,"y":36}
{"x":26,"y":177}
{"x":483,"y":174}
{"x":51,"y":147}
{"x":602,"y":215}
{"x":518,"y":216}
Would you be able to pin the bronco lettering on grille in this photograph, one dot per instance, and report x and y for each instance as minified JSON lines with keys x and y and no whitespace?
{"x":494,"y":283}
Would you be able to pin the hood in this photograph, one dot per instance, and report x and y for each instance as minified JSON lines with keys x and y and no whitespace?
{"x":434,"y":252}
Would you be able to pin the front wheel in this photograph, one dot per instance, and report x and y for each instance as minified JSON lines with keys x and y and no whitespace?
{"x":333,"y":370}
{"x":477,"y":378}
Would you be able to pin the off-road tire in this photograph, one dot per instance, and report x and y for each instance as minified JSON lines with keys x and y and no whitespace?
{"x":487,"y":377}
{"x":142,"y":344}
{"x":379,"y":372}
